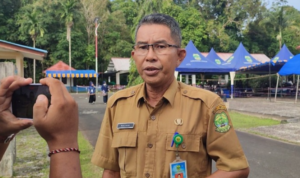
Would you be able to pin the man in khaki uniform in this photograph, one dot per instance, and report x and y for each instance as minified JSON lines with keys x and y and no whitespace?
{"x":138,"y":129}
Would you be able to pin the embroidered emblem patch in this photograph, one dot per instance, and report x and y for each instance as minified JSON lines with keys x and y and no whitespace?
{"x":221,"y":122}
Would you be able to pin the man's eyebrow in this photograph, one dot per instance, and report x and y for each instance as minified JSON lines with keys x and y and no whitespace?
{"x":160,"y":41}
{"x":141,"y":42}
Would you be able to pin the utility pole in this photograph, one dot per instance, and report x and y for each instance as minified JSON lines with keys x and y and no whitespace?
{"x":96,"y":50}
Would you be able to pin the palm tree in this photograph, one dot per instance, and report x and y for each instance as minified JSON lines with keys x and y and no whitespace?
{"x":67,"y":13}
{"x":31,"y":23}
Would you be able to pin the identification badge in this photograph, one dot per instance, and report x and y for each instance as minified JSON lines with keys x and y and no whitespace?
{"x":129,"y":125}
{"x":178,"y":166}
{"x":178,"y":169}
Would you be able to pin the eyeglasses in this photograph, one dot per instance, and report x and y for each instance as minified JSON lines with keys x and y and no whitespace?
{"x":158,"y":48}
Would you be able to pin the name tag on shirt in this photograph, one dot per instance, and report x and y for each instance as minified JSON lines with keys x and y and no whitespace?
{"x":129,"y":125}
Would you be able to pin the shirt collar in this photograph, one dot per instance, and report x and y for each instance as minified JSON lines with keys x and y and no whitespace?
{"x":169,"y":95}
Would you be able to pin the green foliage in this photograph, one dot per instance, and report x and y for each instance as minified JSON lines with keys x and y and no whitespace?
{"x":133,"y":78}
{"x":31,"y":23}
{"x":193,"y":28}
{"x":221,"y":24}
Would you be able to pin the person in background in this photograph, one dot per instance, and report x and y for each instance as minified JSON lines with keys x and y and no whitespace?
{"x":92,"y":93}
{"x":57,"y":124}
{"x":105,"y":90}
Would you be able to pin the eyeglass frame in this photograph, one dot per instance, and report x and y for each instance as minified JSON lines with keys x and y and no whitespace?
{"x":148,"y":46}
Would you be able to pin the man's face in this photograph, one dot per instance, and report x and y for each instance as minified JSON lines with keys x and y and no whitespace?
{"x":157,"y":69}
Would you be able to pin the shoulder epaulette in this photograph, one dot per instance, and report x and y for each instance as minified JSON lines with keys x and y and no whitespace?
{"x":126,"y":93}
{"x":206,"y":96}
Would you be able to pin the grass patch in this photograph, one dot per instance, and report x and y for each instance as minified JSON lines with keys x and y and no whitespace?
{"x":241,"y":121}
{"x":32,"y":156}
{"x":88,"y":169}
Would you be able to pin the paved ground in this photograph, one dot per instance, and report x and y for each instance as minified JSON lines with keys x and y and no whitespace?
{"x":267,"y":158}
{"x":285,"y":110}
{"x":282,"y":109}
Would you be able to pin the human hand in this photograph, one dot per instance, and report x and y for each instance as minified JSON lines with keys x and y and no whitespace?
{"x":9,"y":124}
{"x":58,"y":124}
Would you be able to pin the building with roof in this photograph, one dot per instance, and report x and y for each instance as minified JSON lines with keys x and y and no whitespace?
{"x":116,"y":67}
{"x":9,"y":50}
{"x":63,"y":71}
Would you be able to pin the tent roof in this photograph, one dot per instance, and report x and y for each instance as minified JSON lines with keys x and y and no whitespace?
{"x":59,"y":66}
{"x":291,"y":67}
{"x":283,"y":55}
{"x":224,"y":56}
{"x":26,"y":51}
{"x":195,"y":62}
{"x":277,"y":62}
{"x":240,"y":59}
{"x":213,"y":56}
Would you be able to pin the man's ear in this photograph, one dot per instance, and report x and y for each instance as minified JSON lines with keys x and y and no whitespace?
{"x":181,"y":56}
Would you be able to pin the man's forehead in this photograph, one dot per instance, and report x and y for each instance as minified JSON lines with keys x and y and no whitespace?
{"x":157,"y":32}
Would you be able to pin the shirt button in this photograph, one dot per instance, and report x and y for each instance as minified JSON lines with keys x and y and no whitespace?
{"x":153,"y":117}
{"x":147,"y":175}
{"x":184,"y":92}
{"x":150,"y":145}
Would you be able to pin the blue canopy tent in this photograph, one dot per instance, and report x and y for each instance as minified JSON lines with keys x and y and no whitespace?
{"x":282,"y":56}
{"x":213,"y":56}
{"x":277,"y":62}
{"x":291,"y":67}
{"x":195,"y":62}
{"x":72,"y":73}
{"x":240,"y":59}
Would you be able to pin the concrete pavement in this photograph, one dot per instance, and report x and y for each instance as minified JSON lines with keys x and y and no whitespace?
{"x":267,"y":158}
{"x":283,"y":109}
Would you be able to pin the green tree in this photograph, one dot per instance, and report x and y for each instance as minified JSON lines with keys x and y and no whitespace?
{"x":31,"y":23}
{"x":67,"y":11}
{"x":133,"y":78}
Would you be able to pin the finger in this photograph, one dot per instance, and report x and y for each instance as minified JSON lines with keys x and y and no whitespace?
{"x":55,"y":89}
{"x":22,"y":124}
{"x":40,"y":108}
{"x":6,"y":82}
{"x":17,"y":125}
{"x":66,"y":92}
{"x":18,"y":82}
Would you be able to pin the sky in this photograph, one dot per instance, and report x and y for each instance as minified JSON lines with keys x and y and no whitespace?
{"x":294,"y":3}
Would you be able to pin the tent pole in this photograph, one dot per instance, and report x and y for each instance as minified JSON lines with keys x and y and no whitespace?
{"x":269,"y":92}
{"x":297,"y":89}
{"x":232,"y":75}
{"x":276,"y":86}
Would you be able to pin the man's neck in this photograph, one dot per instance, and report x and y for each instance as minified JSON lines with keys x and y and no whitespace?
{"x":154,"y":94}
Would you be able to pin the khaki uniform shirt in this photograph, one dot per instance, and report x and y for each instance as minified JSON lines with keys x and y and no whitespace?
{"x":200,"y":116}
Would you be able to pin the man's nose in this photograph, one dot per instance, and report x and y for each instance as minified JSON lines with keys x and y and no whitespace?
{"x":151,"y":55}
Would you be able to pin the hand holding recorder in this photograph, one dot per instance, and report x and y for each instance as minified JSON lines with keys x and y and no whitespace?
{"x":9,"y":124}
{"x":57,"y":123}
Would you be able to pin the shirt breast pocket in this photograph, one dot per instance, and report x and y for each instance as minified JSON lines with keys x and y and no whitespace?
{"x":126,"y":143}
{"x":192,"y":151}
